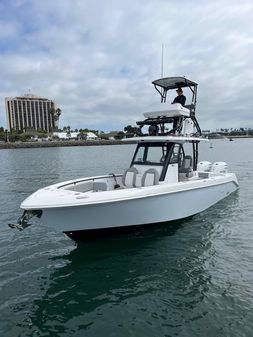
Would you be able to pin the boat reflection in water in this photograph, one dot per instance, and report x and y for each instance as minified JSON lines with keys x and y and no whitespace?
{"x":103,"y":285}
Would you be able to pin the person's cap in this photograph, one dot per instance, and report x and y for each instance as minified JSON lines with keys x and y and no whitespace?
{"x":179,"y":90}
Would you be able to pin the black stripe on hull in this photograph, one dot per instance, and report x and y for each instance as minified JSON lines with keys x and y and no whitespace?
{"x":101,"y":233}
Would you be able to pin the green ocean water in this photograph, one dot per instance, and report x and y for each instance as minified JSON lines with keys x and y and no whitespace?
{"x":190,"y":278}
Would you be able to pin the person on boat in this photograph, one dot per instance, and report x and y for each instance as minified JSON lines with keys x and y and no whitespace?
{"x":180,"y":98}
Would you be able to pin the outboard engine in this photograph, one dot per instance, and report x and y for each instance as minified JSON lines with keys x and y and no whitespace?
{"x":219,"y":167}
{"x":204,"y":166}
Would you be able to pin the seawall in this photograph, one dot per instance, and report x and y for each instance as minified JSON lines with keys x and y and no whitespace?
{"x":19,"y":145}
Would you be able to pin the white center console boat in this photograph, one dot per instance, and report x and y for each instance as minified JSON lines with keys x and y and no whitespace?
{"x":164,"y":181}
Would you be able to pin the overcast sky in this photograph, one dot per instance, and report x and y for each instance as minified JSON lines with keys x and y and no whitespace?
{"x":97,"y":59}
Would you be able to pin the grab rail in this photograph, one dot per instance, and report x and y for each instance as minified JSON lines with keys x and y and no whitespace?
{"x":76,"y":182}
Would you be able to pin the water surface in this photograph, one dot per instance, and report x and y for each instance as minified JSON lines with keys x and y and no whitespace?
{"x":190,"y":278}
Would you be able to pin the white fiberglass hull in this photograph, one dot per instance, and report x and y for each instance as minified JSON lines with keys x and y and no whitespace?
{"x":140,"y":207}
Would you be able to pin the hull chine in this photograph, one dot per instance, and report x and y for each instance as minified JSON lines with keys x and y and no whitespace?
{"x":102,"y":233}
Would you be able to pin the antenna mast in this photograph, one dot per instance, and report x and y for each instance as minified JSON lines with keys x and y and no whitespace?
{"x":162,"y":63}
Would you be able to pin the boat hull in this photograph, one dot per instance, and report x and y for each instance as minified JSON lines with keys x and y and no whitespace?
{"x":94,"y":234}
{"x":135,"y":212}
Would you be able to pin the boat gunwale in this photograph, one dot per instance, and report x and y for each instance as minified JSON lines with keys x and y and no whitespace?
{"x":213,"y":181}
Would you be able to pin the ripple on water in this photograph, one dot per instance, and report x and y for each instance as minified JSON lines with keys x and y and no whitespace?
{"x":191,"y":278}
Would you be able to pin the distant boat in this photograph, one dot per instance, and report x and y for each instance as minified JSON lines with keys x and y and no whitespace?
{"x":230,"y":139}
{"x":211,"y":146}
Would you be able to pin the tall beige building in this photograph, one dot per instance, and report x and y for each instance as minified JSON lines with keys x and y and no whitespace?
{"x":30,"y":112}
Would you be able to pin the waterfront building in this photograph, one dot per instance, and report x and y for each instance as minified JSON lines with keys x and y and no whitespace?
{"x":91,"y":136}
{"x":74,"y":135}
{"x":66,"y":135}
{"x":31,"y":112}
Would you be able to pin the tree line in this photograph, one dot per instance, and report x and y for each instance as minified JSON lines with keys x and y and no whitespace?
{"x":230,"y":132}
{"x":129,"y":131}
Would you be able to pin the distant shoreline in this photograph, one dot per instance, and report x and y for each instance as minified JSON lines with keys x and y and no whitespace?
{"x":64,"y":143}
{"x":227,"y":137}
{"x":27,"y":145}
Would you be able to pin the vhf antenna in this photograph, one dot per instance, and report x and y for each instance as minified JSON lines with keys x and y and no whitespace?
{"x":162,"y":63}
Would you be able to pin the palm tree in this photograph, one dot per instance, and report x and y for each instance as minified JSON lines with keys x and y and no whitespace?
{"x":55,"y":113}
{"x":82,"y":134}
{"x":68,"y":131}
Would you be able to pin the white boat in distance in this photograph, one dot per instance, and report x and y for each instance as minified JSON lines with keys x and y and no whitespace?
{"x":164,"y":181}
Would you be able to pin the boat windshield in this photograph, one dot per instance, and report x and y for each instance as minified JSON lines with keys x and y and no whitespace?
{"x":151,"y":154}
